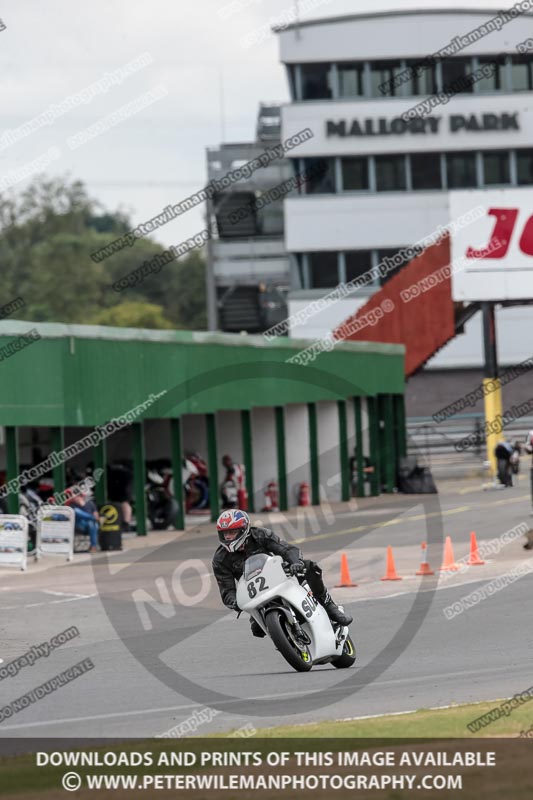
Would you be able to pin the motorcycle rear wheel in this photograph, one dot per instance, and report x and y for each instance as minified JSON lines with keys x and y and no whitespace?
{"x":276,"y":623}
{"x":348,"y":655}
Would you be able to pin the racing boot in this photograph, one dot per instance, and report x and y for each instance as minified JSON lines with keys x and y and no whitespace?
{"x":256,"y":629}
{"x":333,"y":611}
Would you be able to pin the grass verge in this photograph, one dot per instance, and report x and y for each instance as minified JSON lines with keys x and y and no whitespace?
{"x":426,"y":724}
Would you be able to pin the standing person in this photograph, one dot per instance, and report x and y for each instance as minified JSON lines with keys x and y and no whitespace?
{"x":529,"y":449}
{"x":515,"y":458}
{"x":120,"y":490}
{"x":503,"y":452}
{"x":368,"y":469}
{"x":233,"y":481}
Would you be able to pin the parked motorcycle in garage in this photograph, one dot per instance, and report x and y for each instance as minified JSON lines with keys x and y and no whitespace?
{"x":161,"y":506}
{"x":29,"y":504}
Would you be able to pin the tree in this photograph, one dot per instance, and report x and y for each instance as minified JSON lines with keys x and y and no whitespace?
{"x":132,"y":314}
{"x":47,"y":235}
{"x":187,"y":291}
{"x":179,"y":287}
{"x":45,"y":208}
{"x":63,"y":286}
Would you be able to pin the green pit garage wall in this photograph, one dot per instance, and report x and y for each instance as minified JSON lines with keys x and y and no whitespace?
{"x":223,"y":393}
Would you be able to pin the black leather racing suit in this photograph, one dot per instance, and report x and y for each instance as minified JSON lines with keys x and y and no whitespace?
{"x":228,"y":567}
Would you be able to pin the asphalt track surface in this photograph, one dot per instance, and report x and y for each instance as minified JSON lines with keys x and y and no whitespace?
{"x":145,"y":682}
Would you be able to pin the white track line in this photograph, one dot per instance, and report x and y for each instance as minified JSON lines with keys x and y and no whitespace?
{"x":229,"y":702}
{"x":69,"y":599}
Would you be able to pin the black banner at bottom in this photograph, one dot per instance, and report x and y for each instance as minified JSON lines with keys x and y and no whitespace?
{"x":282,"y":768}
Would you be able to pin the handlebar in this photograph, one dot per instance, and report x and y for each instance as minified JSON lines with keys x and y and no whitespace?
{"x":287,"y":569}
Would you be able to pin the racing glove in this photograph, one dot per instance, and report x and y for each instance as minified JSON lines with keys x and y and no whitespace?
{"x":297,"y":567}
{"x":233,"y":606}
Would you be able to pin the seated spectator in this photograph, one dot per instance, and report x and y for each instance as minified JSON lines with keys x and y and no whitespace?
{"x":87,"y":519}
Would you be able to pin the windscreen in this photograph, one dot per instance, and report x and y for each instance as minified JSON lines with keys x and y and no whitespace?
{"x":254,"y":565}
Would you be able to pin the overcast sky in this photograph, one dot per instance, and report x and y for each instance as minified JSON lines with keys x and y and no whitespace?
{"x":54,"y":49}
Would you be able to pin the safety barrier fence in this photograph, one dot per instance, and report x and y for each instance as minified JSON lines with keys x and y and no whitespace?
{"x":427,"y":437}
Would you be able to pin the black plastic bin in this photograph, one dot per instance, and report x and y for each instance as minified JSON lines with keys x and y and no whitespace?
{"x":111,"y":523}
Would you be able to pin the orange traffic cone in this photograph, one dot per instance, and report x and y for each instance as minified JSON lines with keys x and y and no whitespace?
{"x":345,"y":574}
{"x":425,"y":569}
{"x":448,"y":562}
{"x":474,"y":560}
{"x":390,"y":574}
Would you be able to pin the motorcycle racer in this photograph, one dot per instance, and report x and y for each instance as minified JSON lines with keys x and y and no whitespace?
{"x":239,"y":540}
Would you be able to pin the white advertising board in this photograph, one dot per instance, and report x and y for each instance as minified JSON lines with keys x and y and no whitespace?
{"x":13,"y":540}
{"x":55,"y":531}
{"x":492,"y":257}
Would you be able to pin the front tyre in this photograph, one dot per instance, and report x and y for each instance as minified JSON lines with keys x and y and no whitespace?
{"x":347,"y":659}
{"x":277,"y":625}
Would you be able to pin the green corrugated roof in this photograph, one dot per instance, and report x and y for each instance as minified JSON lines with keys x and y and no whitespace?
{"x":56,"y":330}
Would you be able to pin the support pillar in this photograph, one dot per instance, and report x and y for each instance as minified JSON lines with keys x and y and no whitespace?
{"x":139,"y":478}
{"x":58,"y":472}
{"x":313,"y":454}
{"x":491,"y":384}
{"x":375,"y":449}
{"x":12,"y":464}
{"x":359,"y":447}
{"x":212,"y":465}
{"x":176,"y":455}
{"x":282,"y":459}
{"x":100,"y":462}
{"x":400,"y":426}
{"x":343,"y":448}
{"x":247,"y":450}
{"x":389,"y":442}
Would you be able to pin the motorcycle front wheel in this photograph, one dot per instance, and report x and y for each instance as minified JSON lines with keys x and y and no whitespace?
{"x":277,"y":624}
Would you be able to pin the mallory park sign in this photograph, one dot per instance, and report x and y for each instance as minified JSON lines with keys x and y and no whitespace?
{"x":397,"y":126}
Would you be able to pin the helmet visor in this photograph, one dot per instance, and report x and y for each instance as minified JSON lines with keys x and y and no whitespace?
{"x":229,"y":536}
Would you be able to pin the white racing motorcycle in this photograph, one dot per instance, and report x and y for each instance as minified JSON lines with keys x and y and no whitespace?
{"x":287,"y":611}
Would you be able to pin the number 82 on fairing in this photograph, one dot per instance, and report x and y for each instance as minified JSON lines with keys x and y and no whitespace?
{"x":257,"y":585}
